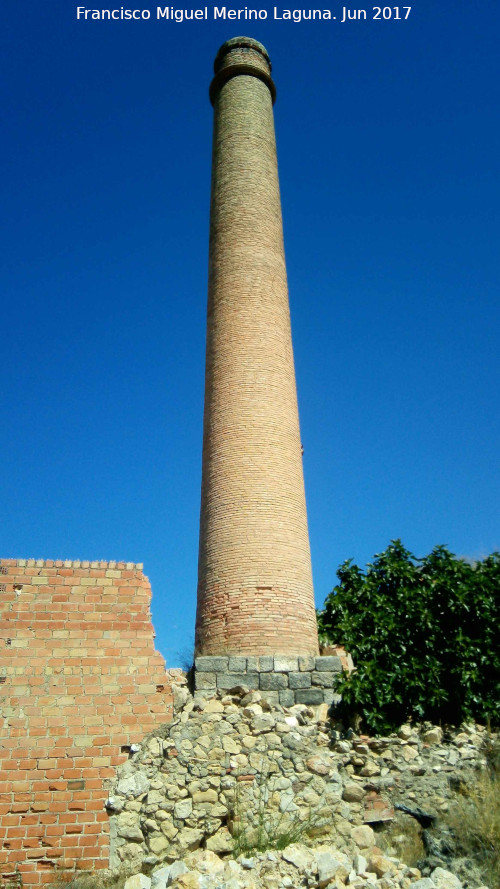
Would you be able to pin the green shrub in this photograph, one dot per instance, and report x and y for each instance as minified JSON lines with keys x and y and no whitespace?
{"x":424,"y":635}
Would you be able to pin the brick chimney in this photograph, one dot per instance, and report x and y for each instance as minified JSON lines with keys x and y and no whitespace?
{"x":255,"y":593}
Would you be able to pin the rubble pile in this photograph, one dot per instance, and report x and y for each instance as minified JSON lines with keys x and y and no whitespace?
{"x":242,"y":793}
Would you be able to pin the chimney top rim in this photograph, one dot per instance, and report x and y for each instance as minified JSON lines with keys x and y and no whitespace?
{"x":240,"y":42}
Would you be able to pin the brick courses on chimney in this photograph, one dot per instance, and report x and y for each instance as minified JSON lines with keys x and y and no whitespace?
{"x":255,"y":594}
{"x":80,"y":681}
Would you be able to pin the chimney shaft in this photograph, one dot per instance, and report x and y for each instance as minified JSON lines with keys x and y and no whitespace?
{"x":255,"y":594}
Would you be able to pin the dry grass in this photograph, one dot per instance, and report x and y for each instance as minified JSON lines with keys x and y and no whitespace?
{"x":85,"y":880}
{"x":403,"y":839}
{"x":475,"y":819}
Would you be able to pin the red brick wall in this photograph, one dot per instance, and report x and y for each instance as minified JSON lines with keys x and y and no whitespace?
{"x":79,"y":681}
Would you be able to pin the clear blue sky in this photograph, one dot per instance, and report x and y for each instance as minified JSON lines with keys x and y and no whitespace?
{"x":388,"y":149}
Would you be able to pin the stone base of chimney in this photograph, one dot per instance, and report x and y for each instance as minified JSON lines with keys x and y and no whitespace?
{"x":281,"y":679}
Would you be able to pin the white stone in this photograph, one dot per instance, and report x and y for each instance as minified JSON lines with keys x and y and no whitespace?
{"x":138,"y":881}
{"x":204,"y":796}
{"x":183,"y":809}
{"x":230,"y":745}
{"x":321,"y":713}
{"x":363,"y":836}
{"x":180,"y":695}
{"x":221,"y":841}
{"x":360,"y":864}
{"x":133,"y":834}
{"x":114,"y":804}
{"x":319,"y":763}
{"x":262,"y":724}
{"x":168,"y":828}
{"x":128,"y":827}
{"x":298,"y":855}
{"x":154,"y":746}
{"x":213,"y":706}
{"x":409,"y":754}
{"x":287,"y":803}
{"x":405,"y":732}
{"x":189,"y":838}
{"x":433,"y":735}
{"x":205,"y":861}
{"x":159,"y":879}
{"x":247,"y":863}
{"x":330,"y":864}
{"x":177,"y":868}
{"x":232,"y":869}
{"x":443,"y":879}
{"x":136,"y":785}
{"x":380,"y":865}
{"x":353,"y":792}
{"x":158,"y":844}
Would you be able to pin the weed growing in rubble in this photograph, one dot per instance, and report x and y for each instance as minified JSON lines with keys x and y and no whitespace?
{"x":259,"y":822}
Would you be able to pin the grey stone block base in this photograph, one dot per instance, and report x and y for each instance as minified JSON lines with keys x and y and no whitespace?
{"x":281,"y":679}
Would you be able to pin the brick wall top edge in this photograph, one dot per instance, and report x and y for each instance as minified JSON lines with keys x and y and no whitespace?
{"x":70,"y":563}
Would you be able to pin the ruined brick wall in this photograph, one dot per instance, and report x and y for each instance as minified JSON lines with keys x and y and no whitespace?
{"x":80,"y":681}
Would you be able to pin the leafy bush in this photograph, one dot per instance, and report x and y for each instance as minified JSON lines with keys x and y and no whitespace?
{"x":424,"y":635}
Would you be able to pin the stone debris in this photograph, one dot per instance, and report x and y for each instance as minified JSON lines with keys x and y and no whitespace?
{"x":323,"y":867}
{"x":202,"y":797}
